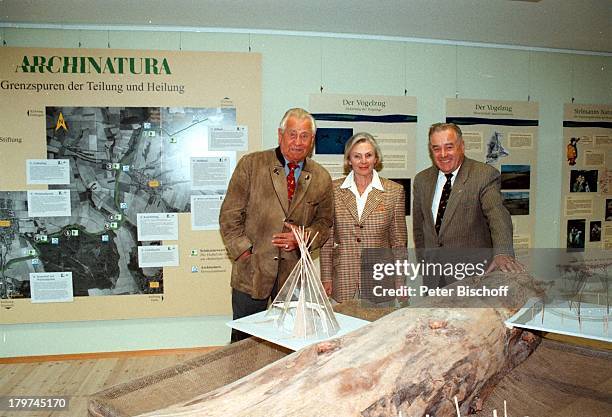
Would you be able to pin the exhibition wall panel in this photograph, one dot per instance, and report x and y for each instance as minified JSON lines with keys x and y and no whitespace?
{"x":97,"y":147}
{"x":431,"y":76}
{"x":49,"y":38}
{"x":125,"y":39}
{"x":226,"y":42}
{"x":293,"y":71}
{"x":550,"y":87}
{"x":362,"y":67}
{"x":591,"y":79}
{"x":494,"y":74}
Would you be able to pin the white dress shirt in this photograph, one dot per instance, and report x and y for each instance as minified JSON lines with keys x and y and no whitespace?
{"x":349,"y":182}
{"x":438,"y":194}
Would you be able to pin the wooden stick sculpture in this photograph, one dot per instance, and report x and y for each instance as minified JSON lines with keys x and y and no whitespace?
{"x":412,"y":362}
{"x":301,"y":307}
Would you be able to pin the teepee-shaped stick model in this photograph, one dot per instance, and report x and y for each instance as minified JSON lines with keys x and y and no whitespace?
{"x":301,"y":307}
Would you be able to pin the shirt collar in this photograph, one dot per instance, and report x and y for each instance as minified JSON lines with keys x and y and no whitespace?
{"x":350,"y":180}
{"x":281,"y":158}
{"x":455,"y":172}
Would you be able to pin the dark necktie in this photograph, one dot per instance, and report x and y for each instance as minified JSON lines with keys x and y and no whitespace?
{"x":291,"y":180}
{"x":446,"y":190}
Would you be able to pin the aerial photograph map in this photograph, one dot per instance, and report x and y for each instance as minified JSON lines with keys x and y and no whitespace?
{"x":123,"y":161}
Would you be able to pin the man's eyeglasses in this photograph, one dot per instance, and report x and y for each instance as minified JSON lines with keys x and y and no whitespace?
{"x":303,"y":135}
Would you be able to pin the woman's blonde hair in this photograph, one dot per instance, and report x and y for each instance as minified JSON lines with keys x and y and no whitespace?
{"x":356,"y":139}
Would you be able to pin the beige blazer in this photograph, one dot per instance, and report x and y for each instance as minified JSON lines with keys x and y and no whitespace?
{"x":256,"y":206}
{"x":475,"y":216}
{"x":382,"y":225}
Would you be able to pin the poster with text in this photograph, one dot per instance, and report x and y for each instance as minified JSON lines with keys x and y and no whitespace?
{"x":391,"y":120}
{"x":97,"y":151}
{"x":504,"y":134}
{"x":586,"y":194}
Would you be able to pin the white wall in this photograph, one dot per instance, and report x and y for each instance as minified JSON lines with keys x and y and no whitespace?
{"x":296,"y":66}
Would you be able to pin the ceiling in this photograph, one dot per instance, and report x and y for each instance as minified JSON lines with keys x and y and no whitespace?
{"x":584,"y":25}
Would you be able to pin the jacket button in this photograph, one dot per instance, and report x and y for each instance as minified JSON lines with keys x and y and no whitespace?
{"x":361,"y":226}
{"x":358,"y":239}
{"x":276,"y":258}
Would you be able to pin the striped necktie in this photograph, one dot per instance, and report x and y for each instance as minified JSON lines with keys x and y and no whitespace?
{"x":446,"y":190}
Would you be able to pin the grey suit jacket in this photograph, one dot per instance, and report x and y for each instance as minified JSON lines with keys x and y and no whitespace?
{"x":475,"y":216}
{"x":256,"y":206}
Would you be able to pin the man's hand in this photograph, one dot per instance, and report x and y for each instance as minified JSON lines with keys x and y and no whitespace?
{"x":327,"y":286}
{"x":505,"y":263}
{"x":285,"y":240}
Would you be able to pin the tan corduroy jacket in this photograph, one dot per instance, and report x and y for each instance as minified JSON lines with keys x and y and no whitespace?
{"x":256,"y":206}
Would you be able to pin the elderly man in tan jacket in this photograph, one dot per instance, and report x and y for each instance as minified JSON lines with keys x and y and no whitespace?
{"x":269,"y":193}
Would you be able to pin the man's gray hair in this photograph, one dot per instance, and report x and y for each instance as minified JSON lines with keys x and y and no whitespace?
{"x":299,"y":114}
{"x":440,"y":127}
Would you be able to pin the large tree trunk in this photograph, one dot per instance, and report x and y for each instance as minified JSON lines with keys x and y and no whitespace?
{"x":415,"y":360}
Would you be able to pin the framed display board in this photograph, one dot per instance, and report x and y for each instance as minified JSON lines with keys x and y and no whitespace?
{"x":504,"y":134}
{"x":391,"y":120}
{"x":586,"y":195}
{"x":114,"y":167}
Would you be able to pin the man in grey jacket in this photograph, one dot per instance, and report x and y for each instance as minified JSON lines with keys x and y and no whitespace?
{"x":458,"y":203}
{"x":271,"y":192}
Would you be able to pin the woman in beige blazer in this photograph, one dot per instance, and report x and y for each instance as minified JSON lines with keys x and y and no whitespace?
{"x":369,"y":213}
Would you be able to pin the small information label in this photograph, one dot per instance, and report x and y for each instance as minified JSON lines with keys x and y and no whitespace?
{"x":48,"y":171}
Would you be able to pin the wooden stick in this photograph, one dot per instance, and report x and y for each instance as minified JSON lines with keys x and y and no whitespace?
{"x":457,"y":407}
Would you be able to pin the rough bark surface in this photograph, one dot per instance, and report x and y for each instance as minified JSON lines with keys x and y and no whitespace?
{"x":414,"y":361}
